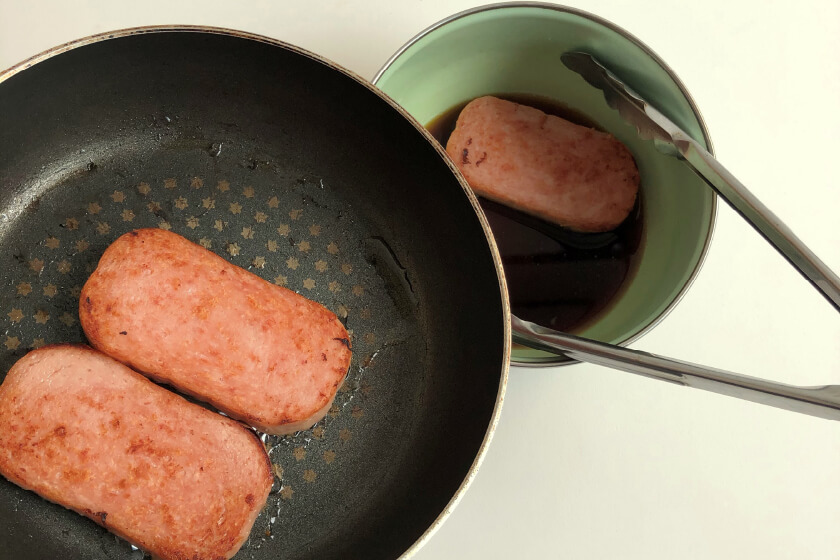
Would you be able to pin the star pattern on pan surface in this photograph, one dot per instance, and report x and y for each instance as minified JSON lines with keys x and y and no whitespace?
{"x":41,"y":317}
{"x":272,"y":234}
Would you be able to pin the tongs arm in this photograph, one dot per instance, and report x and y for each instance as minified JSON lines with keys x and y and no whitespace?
{"x":670,"y":139}
{"x":823,"y":402}
{"x":760,"y":217}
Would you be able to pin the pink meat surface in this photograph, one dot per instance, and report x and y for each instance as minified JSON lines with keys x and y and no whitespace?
{"x":185,"y":316}
{"x":84,"y":431}
{"x":543,"y":165}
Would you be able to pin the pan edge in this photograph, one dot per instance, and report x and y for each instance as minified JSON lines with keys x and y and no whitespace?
{"x":503,"y":293}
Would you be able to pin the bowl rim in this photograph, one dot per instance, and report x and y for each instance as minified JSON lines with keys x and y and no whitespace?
{"x":658,"y":60}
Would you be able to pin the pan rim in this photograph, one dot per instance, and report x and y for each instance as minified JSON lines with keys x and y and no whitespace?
{"x":485,"y":226}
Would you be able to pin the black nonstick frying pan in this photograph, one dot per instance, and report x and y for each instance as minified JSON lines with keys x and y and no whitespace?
{"x":304,"y":174}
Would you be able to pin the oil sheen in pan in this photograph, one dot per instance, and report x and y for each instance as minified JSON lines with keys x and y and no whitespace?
{"x":556,"y":277}
{"x":284,"y":225}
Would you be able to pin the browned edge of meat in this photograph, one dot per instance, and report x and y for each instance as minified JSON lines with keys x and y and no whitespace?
{"x":185,"y":316}
{"x":174,"y":479}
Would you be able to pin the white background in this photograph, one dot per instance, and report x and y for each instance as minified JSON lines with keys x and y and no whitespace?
{"x":592,"y":463}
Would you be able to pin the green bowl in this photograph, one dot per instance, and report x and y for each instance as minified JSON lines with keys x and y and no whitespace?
{"x":515,"y":48}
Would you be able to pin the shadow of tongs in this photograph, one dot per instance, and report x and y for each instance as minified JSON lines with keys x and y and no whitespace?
{"x":671,"y":140}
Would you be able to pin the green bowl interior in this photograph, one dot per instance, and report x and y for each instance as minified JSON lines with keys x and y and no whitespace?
{"x":516,"y":49}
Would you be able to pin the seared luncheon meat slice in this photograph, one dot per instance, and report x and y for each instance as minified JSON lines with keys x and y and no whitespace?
{"x":544,"y":165}
{"x":85,"y":431}
{"x":187,"y":317}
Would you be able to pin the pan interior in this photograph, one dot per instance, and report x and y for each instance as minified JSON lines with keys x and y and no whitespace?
{"x":290,"y":168}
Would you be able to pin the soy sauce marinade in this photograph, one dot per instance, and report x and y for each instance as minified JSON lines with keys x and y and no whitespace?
{"x":556,"y":277}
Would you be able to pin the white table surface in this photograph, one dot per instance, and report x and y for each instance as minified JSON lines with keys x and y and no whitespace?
{"x":593,"y":463}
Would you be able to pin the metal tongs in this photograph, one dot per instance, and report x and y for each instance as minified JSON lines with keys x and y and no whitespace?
{"x":671,"y":140}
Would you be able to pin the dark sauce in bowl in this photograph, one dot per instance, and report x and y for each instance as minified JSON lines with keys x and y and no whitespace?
{"x":556,"y":277}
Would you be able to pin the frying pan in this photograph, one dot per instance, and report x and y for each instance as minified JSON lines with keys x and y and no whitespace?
{"x":301,"y":172}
